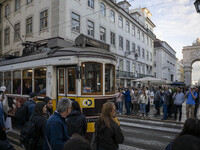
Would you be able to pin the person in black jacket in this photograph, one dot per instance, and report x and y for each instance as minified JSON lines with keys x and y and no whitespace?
{"x":49,"y":106}
{"x":76,"y":121}
{"x":39,"y":118}
{"x":109,"y":133}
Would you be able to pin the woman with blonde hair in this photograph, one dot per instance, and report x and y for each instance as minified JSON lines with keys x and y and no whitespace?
{"x":109,"y":134}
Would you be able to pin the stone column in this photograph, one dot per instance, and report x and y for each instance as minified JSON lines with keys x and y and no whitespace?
{"x":188,"y":75}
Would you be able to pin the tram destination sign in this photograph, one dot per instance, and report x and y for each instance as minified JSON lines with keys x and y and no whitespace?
{"x":83,"y":40}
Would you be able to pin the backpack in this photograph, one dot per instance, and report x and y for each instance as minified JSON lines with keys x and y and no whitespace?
{"x":27,"y":135}
{"x":21,"y":114}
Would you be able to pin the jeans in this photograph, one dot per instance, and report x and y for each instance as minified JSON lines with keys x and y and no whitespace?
{"x":120,"y":106}
{"x":128,"y":106}
{"x":179,"y":107}
{"x":135,"y":108}
{"x":143,"y":108}
{"x":165,"y":110}
{"x":190,"y":111}
{"x":157,"y":107}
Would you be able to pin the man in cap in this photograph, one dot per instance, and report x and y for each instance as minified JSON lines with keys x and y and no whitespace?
{"x":49,"y":106}
{"x":190,"y":95}
{"x":31,"y":103}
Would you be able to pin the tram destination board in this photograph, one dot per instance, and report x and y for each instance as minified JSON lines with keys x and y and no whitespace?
{"x":85,"y":40}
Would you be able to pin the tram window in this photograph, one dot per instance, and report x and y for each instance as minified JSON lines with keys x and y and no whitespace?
{"x":1,"y":78}
{"x":71,"y":81}
{"x":91,"y":78}
{"x":27,"y":81}
{"x":109,"y":78}
{"x":7,"y":81}
{"x":17,"y":82}
{"x":61,"y":81}
{"x":40,"y":81}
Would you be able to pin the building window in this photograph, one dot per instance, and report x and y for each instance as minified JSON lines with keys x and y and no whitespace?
{"x":28,"y":2}
{"x":127,"y":26}
{"x":154,"y":63}
{"x":151,"y":42}
{"x":138,"y":68}
{"x":0,"y":41}
{"x":71,"y":81}
{"x":7,"y":81}
{"x":143,"y":69}
{"x":17,"y":82}
{"x":121,"y":42}
{"x":147,"y":55}
{"x":154,"y":74}
{"x":7,"y":10}
{"x":133,"y":47}
{"x":128,"y":66}
{"x":150,"y":56}
{"x":112,"y":38}
{"x":17,"y":32}
{"x":90,"y":26}
{"x":112,"y":16}
{"x":75,"y":22}
{"x":92,"y":78}
{"x":143,"y":55}
{"x":127,"y":45}
{"x":154,"y":52}
{"x":138,"y":51}
{"x":27,"y":81}
{"x":62,"y":81}
{"x":133,"y":67}
{"x":102,"y":34}
{"x":43,"y":20}
{"x":120,"y":22}
{"x":142,"y":37}
{"x":133,"y":30}
{"x":138,"y":34}
{"x":91,"y":3}
{"x":7,"y":36}
{"x":17,"y":5}
{"x":29,"y":25}
{"x":109,"y":78}
{"x":40,"y":80}
{"x":103,"y":9}
{"x":121,"y":65}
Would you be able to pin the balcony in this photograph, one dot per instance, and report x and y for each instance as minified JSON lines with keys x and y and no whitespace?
{"x":151,"y":33}
{"x":125,"y":74}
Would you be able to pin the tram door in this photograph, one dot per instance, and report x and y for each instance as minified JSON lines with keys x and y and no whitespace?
{"x":67,"y":82}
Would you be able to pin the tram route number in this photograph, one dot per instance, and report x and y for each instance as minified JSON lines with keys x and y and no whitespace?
{"x":87,"y":102}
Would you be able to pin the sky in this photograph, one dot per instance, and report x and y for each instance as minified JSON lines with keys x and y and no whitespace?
{"x":177,"y":21}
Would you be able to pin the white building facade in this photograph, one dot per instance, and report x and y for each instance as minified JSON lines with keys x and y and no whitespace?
{"x":165,"y":61}
{"x":180,"y":71}
{"x":128,"y":32}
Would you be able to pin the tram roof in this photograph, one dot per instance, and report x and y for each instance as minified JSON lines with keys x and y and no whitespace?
{"x":67,"y":51}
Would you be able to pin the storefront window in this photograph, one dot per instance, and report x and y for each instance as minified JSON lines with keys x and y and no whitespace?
{"x":7,"y":81}
{"x":1,"y":78}
{"x":92,"y":78}
{"x":109,"y":78}
{"x":71,"y":81}
{"x":61,"y":81}
{"x":27,"y":81}
{"x":40,"y":80}
{"x":17,"y":82}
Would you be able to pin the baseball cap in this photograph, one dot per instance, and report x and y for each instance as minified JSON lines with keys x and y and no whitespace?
{"x":32,"y":94}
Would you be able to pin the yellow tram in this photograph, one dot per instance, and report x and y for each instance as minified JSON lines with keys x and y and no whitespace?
{"x":83,"y":71}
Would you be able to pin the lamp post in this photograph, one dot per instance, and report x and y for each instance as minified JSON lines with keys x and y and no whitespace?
{"x":197,"y":5}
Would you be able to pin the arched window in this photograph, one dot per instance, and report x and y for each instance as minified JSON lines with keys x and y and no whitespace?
{"x":120,"y":22}
{"x":7,"y":10}
{"x":112,"y":16}
{"x":103,"y":9}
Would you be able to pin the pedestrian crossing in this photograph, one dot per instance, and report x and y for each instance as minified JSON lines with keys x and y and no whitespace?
{"x":147,"y":134}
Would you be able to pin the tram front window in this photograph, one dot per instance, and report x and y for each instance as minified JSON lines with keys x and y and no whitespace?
{"x":109,"y":78}
{"x":17,"y":82}
{"x":7,"y":81}
{"x":92,"y":78}
{"x":40,"y":80}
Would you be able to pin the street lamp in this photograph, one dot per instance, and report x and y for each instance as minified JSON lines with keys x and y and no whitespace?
{"x":197,"y":5}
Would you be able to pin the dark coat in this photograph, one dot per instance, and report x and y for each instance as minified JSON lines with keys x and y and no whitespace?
{"x":40,"y":123}
{"x":49,"y":112}
{"x":55,"y":132}
{"x":76,"y":123}
{"x":109,"y":138}
{"x":31,"y":107}
{"x":127,"y":96}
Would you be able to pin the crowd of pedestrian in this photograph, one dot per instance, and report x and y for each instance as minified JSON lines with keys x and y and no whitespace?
{"x":161,"y":100}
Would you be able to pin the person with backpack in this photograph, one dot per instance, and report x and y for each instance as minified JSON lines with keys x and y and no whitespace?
{"x":76,"y":121}
{"x":56,"y":133}
{"x":49,"y":106}
{"x":24,"y":112}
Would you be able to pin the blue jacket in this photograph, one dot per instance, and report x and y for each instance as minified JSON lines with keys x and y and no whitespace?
{"x":1,"y":118}
{"x":31,"y":107}
{"x":55,"y":132}
{"x":127,"y":96}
